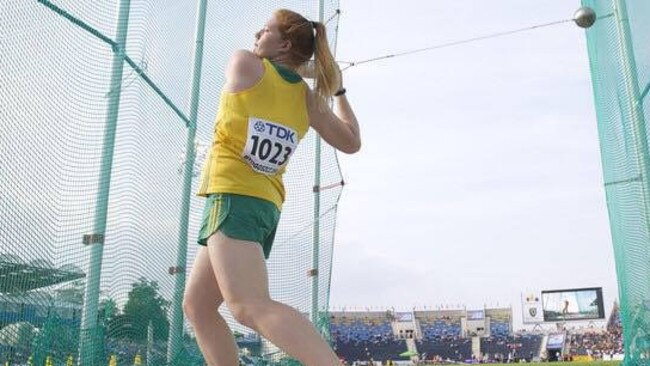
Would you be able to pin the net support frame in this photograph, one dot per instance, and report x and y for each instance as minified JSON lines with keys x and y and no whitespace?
{"x":88,"y":341}
{"x":174,"y":342}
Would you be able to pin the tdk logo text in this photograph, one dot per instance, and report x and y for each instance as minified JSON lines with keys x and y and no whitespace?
{"x":280,"y":132}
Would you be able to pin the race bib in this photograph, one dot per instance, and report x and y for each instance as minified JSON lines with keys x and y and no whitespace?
{"x":269,"y":145}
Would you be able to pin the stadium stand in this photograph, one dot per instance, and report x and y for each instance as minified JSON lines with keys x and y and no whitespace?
{"x":364,"y":336}
{"x":441,"y":335}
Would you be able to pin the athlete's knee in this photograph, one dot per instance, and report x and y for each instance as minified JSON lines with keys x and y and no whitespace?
{"x":190,"y":307}
{"x":248,"y":313}
{"x":196,"y":306}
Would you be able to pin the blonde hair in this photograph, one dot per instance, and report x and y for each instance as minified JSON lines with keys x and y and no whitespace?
{"x":310,"y":39}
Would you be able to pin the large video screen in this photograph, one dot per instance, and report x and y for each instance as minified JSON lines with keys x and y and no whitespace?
{"x":573,"y":304}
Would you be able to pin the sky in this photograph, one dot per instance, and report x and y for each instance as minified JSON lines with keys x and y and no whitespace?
{"x":480,"y":177}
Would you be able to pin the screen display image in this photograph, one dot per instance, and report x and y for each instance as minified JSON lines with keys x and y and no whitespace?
{"x":475,"y":315}
{"x":404,"y":317}
{"x":574,"y":304}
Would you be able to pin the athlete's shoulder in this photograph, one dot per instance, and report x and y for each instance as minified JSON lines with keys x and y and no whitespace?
{"x":244,"y":70}
{"x":245,"y":56}
{"x":245,"y":61}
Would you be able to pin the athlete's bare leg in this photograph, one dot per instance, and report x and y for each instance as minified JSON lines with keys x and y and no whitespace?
{"x":200,"y":304}
{"x":240,"y":269}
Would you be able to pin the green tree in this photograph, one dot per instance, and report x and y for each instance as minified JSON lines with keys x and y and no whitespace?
{"x":109,"y":307}
{"x":143,"y":306}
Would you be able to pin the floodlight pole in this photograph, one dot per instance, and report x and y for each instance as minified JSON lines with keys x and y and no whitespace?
{"x":175,"y":339}
{"x":88,"y":341}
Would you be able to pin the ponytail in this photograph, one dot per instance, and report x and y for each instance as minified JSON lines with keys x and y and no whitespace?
{"x":326,"y":72}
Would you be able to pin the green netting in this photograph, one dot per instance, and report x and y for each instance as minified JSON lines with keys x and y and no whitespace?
{"x":619,"y":49}
{"x":95,"y":240}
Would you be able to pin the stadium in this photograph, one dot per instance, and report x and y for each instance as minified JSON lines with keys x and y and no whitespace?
{"x":442,"y":336}
{"x":480,"y":182}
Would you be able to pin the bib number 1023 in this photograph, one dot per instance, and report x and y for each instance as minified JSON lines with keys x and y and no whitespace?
{"x":266,"y":149}
{"x":269,"y":145}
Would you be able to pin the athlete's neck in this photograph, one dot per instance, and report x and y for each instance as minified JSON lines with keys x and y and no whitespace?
{"x":281,"y":61}
{"x":286,"y":73}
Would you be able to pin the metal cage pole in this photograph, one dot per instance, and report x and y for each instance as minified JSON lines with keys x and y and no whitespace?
{"x":314,"y":273}
{"x":88,"y":341}
{"x":176,"y":322}
{"x":632,"y":294}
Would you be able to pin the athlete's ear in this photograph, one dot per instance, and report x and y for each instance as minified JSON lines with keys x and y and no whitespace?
{"x":286,"y":46}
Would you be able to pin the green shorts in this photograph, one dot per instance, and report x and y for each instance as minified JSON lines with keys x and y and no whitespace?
{"x":240,"y":217}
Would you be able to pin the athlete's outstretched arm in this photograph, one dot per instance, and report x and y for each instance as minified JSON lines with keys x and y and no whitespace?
{"x":338,"y":128}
